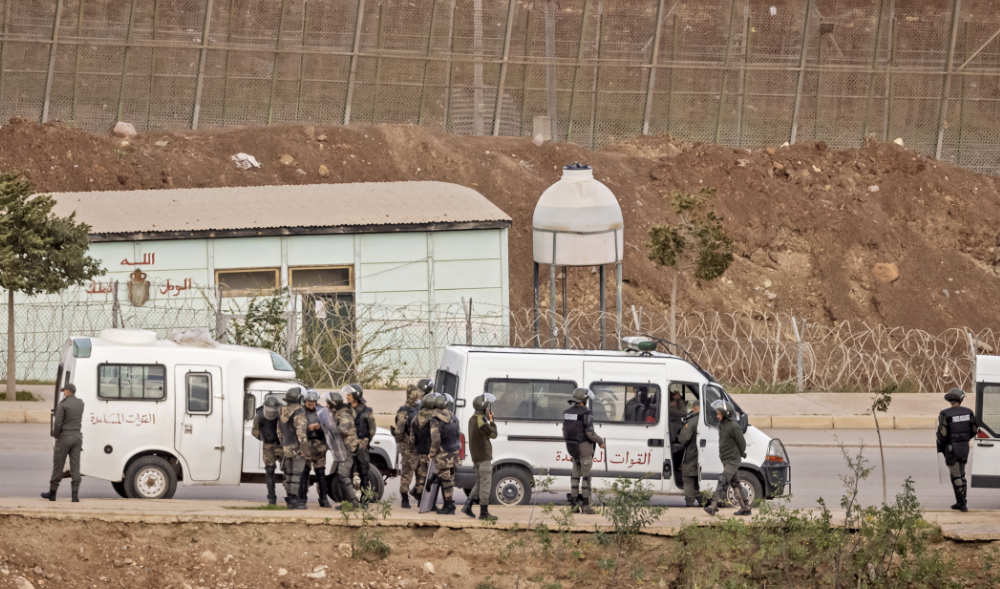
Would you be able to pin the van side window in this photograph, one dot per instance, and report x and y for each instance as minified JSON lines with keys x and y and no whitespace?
{"x":620,"y":402}
{"x":249,"y":406}
{"x":446,"y":383}
{"x":132,"y":382}
{"x":530,"y":399}
{"x":199,"y":392}
{"x":989,"y":402}
{"x":711,"y":394}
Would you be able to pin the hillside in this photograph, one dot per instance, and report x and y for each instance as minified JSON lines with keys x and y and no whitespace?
{"x":809,"y":224}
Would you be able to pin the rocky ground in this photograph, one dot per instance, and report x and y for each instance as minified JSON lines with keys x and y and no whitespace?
{"x":877,"y":234}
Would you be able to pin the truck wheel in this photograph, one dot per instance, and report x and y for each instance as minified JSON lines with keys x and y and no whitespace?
{"x":150,"y":477}
{"x":752,"y":487}
{"x":375,"y":482}
{"x":119,"y":488}
{"x":511,"y":486}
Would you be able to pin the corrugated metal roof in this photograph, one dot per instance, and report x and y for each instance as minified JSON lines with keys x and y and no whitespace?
{"x":199,"y":210}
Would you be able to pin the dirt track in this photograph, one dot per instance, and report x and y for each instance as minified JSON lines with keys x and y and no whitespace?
{"x":809,"y":223}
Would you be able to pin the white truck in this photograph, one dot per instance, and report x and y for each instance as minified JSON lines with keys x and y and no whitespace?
{"x":630,"y":406}
{"x":158,"y":412}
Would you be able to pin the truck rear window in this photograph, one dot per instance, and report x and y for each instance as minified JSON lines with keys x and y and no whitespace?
{"x":133,"y":382}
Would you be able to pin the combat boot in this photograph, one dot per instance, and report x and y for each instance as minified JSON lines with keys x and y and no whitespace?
{"x":572,"y":501}
{"x":960,"y":504}
{"x":713,"y":507}
{"x":324,"y":487}
{"x":583,"y":504}
{"x":448,"y":508}
{"x":484,"y":513}
{"x":75,"y":490}
{"x":692,"y":502}
{"x":269,"y":482}
{"x":51,"y":495}
{"x":404,"y":500}
{"x":467,"y":508}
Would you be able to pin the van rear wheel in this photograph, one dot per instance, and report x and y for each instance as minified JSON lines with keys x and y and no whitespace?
{"x":150,"y":477}
{"x":511,"y":486}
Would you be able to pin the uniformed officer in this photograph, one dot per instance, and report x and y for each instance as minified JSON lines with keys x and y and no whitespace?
{"x":265,"y":429}
{"x":732,"y":449}
{"x":956,"y":426}
{"x":420,"y":439}
{"x":444,"y":449}
{"x":69,"y":442}
{"x":401,"y":431}
{"x":482,"y":429}
{"x":364,"y":425}
{"x":688,"y":441}
{"x":316,"y":449}
{"x":292,"y":432}
{"x":341,"y":438}
{"x":580,"y":438}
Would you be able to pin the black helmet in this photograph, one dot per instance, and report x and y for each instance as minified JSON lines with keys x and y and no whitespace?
{"x":335,"y":400}
{"x":955,"y":395}
{"x":71,"y":388}
{"x":425,"y":384}
{"x":272,"y":405}
{"x":483,"y":402}
{"x":293,"y":395}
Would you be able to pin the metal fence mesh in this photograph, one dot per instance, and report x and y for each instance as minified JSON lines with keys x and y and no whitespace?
{"x":738,"y":72}
{"x":333,"y":342}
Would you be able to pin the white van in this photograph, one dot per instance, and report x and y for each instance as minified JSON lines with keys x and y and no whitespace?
{"x":985,"y":459}
{"x":157,"y":411}
{"x":533,"y":387}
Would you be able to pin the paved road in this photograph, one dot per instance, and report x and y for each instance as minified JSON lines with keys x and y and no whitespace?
{"x":25,"y":459}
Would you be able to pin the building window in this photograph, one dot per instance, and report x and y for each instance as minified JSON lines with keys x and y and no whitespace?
{"x":247,"y":282}
{"x":321,"y":279}
{"x":199,"y":392}
{"x":133,"y":382}
{"x":530,"y":399}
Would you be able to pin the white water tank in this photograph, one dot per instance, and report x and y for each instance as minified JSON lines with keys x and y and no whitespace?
{"x":584,"y":217}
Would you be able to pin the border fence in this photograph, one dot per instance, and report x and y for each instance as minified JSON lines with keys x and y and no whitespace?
{"x":738,"y":72}
{"x":391,"y":345}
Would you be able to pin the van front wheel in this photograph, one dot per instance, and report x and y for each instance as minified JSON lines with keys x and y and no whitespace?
{"x":512,"y":486}
{"x":150,"y":477}
{"x":752,"y":488}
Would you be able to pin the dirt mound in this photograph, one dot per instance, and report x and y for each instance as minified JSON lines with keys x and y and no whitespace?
{"x":877,"y":234}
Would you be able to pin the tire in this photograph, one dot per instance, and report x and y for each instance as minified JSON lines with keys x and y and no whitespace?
{"x":119,"y":488}
{"x":511,"y":486}
{"x":375,"y":481}
{"x":150,"y":477}
{"x":752,"y":487}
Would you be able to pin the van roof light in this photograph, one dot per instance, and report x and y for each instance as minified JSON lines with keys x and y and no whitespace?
{"x":639,"y":343}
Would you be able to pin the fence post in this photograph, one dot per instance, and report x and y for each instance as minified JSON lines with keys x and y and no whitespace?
{"x":451,"y":65}
{"x":274,"y":63}
{"x":874,"y":62}
{"x":293,"y":317}
{"x":604,"y":312}
{"x":597,"y":78}
{"x":799,"y":369}
{"x":76,"y":58}
{"x":498,"y":107}
{"x":468,"y":322}
{"x":576,"y":69}
{"x":477,"y":68}
{"x":803,"y":53}
{"x":565,"y":307}
{"x":50,"y":73}
{"x":379,"y":47}
{"x":550,"y":68}
{"x":128,"y":44}
{"x":220,"y":319}
{"x":946,"y":84}
{"x":743,"y":75}
{"x":115,"y":310}
{"x":302,"y":59}
{"x":353,"y":72}
{"x":972,"y":354}
{"x":653,"y":59}
{"x":152,"y":65}
{"x":673,"y":309}
{"x":725,"y":71}
{"x":200,"y":82}
{"x":890,"y":62}
{"x":427,"y":62}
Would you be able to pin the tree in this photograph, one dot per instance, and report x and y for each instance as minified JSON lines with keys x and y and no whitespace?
{"x":40,"y":253}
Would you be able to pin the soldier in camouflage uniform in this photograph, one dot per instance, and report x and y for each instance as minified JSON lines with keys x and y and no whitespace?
{"x":337,"y":423}
{"x":265,"y":429}
{"x":364,"y":427}
{"x":292,"y":428}
{"x":444,"y":450}
{"x":344,"y":418}
{"x":317,"y":448}
{"x":420,"y":440}
{"x":401,"y":431}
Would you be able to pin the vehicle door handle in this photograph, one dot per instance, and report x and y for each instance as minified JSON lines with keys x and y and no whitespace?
{"x":984,"y":445}
{"x":220,"y":447}
{"x":187,"y":428}
{"x":702,"y":443}
{"x":655,"y":442}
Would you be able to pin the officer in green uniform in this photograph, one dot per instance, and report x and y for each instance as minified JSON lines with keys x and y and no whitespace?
{"x":482,"y":429}
{"x":69,"y":442}
{"x":688,"y":441}
{"x":732,"y":449}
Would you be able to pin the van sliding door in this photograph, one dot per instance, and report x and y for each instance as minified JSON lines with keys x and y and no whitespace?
{"x":198,"y":398}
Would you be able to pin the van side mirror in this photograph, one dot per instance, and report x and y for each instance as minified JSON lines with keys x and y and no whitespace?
{"x":249,"y":406}
{"x":744,"y":422}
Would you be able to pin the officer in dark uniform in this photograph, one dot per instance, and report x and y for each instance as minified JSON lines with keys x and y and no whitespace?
{"x":732,"y":449}
{"x":265,"y":429}
{"x":364,"y":425}
{"x":956,"y":426}
{"x":69,"y":442}
{"x":420,"y":436}
{"x":580,"y":438}
{"x":688,"y":440}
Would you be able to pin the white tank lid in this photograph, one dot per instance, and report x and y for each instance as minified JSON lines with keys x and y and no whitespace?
{"x":129,"y":336}
{"x":581,"y":215}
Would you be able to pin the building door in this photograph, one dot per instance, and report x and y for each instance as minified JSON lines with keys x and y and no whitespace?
{"x":199,"y":402}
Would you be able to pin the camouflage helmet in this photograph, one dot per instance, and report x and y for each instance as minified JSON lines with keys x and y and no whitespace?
{"x":412,"y":395}
{"x":273,"y":401}
{"x":335,"y":400}
{"x":312,"y":395}
{"x":437,"y":401}
{"x":581,"y":395}
{"x":955,"y":395}
{"x":425,"y":401}
{"x":426,"y":385}
{"x":293,"y":395}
